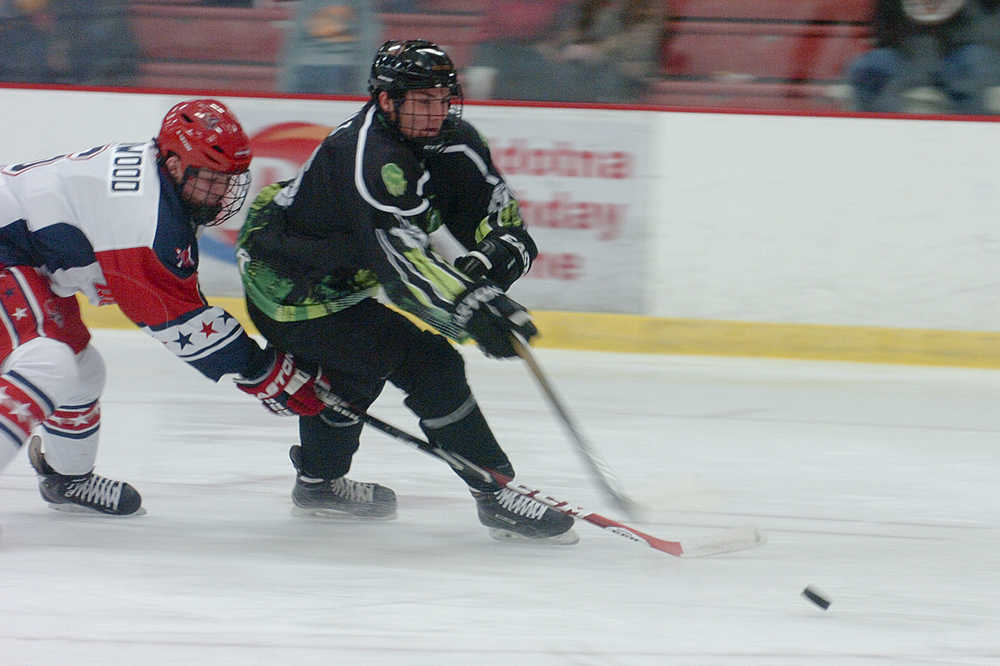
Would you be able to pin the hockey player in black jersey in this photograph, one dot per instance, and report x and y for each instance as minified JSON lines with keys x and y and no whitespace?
{"x":315,"y":249}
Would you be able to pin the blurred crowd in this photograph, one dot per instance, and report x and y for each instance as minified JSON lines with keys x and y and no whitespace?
{"x":603,"y":51}
{"x":73,"y":42}
{"x":949,"y":46}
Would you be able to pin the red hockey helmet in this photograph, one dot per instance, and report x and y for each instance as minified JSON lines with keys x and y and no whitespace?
{"x":204,"y":134}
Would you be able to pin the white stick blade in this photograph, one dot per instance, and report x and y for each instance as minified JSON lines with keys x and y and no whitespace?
{"x":726,"y":542}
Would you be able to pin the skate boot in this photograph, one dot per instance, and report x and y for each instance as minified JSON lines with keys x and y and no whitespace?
{"x":82,"y":493}
{"x":513,"y":516}
{"x":340,"y":497}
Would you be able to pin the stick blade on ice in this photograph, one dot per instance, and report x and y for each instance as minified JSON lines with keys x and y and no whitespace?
{"x":726,"y":542}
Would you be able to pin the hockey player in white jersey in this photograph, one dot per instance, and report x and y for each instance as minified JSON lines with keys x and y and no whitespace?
{"x":118,"y":224}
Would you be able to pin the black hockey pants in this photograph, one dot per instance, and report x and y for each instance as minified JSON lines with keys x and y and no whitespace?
{"x":361,"y":347}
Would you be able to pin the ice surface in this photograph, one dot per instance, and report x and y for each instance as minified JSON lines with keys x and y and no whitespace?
{"x":877,"y":484}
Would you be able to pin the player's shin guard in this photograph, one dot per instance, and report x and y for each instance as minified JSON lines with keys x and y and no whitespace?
{"x":329,"y":443}
{"x":507,"y":514}
{"x":23,"y":404}
{"x":464,"y":431}
{"x":70,"y":437}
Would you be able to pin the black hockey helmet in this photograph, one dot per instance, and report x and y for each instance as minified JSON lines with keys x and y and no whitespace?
{"x":412,"y":64}
{"x":415,"y":64}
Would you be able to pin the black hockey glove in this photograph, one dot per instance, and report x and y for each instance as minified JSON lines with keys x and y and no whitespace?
{"x":284,"y":388}
{"x":502,"y":257}
{"x":490,"y":317}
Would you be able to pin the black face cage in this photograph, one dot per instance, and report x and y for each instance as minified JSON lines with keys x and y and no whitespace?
{"x":230,"y":203}
{"x":449,"y":128}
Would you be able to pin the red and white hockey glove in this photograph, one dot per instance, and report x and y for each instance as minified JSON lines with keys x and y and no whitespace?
{"x":284,"y":388}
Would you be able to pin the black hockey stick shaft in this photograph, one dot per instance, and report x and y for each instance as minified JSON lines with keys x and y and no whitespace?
{"x":696,"y":548}
{"x":598,"y":467}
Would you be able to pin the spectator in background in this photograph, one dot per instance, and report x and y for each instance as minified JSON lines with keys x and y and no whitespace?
{"x":25,"y":34}
{"x":92,"y":43}
{"x":400,"y":6}
{"x":328,"y":47}
{"x":614,"y":48}
{"x":948,"y":44}
{"x":515,"y":56}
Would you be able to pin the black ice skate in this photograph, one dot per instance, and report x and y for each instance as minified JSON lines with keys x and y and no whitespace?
{"x":513,"y":516}
{"x":340,"y":497}
{"x":83,"y":493}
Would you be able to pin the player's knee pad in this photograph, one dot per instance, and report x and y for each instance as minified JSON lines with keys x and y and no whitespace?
{"x":433,"y":377}
{"x":93,"y":375}
{"x":71,"y":432}
{"x":48,"y":365}
{"x":464,"y":431}
{"x":35,"y":380}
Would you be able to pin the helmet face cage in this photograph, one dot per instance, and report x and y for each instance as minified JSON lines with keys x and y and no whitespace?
{"x":222,"y":195}
{"x":416,"y":64}
{"x":214,"y":152}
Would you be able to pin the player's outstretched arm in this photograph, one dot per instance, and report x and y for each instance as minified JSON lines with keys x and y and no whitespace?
{"x":281,"y":385}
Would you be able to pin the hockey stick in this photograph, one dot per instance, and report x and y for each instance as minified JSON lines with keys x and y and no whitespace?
{"x":731,"y":540}
{"x":600,"y":469}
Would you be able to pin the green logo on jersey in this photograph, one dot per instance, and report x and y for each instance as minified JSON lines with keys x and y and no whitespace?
{"x":393,"y":178}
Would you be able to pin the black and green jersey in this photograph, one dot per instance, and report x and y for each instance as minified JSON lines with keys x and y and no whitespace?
{"x":467,"y":189}
{"x":358,"y":215}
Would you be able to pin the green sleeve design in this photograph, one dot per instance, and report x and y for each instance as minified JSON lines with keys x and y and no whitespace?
{"x":277,"y":281}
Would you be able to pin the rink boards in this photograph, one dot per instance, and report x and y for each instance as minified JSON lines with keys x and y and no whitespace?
{"x":654,"y":335}
{"x":853,"y":238}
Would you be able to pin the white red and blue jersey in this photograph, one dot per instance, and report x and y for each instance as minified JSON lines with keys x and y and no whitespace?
{"x":107,"y":223}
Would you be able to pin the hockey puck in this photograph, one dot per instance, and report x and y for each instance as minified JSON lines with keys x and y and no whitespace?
{"x":817,"y":597}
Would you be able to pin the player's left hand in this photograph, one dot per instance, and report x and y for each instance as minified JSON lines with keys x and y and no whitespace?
{"x":490,"y":317}
{"x":284,"y":388}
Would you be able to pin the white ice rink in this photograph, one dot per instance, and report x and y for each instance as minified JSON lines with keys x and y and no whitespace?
{"x":876,"y":484}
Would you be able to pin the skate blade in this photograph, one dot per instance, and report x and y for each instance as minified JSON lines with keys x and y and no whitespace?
{"x":333,"y":514}
{"x":81,"y":510}
{"x":567,"y":538}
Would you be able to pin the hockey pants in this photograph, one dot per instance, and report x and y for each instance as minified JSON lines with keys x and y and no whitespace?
{"x":359,"y":349}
